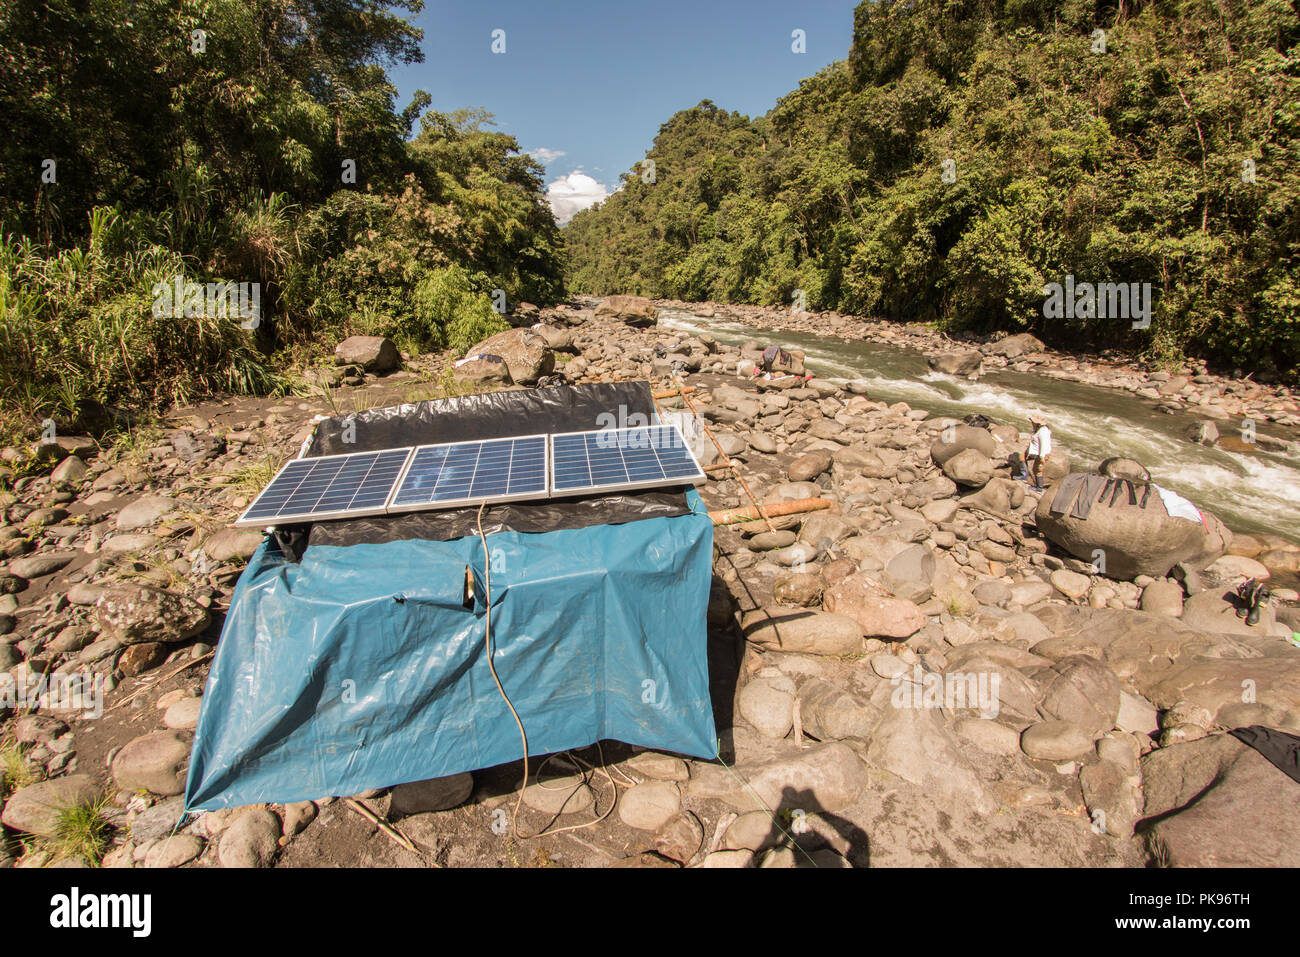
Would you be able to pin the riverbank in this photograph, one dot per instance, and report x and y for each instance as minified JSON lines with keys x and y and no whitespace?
{"x":829,"y":637}
{"x":1190,"y":388}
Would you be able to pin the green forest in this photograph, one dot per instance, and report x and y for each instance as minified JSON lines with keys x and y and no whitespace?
{"x":964,"y":155}
{"x":969,"y":152}
{"x":254,"y":141}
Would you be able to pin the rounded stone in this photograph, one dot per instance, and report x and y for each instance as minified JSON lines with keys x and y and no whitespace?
{"x":1055,"y":741}
{"x":650,"y":806}
{"x":153,"y":762}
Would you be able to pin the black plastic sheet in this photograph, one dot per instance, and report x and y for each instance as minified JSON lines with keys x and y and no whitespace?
{"x":491,"y":415}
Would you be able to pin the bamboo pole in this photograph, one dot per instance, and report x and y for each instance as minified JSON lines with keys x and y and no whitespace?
{"x":734,"y":516}
{"x":726,"y":459}
{"x":672,"y":392}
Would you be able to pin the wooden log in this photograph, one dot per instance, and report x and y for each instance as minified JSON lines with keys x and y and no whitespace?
{"x":734,"y":516}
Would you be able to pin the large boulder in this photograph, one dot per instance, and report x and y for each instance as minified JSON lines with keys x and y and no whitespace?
{"x":1134,"y":540}
{"x":372,"y":353}
{"x":483,"y":371}
{"x":635,"y":310}
{"x":1217,"y":802}
{"x":916,"y":745}
{"x":526,"y":354}
{"x":1081,"y":690}
{"x":963,"y":362}
{"x":829,"y":777}
{"x":1166,"y":661}
{"x":1013,"y":347}
{"x":970,"y":468}
{"x":959,"y":438}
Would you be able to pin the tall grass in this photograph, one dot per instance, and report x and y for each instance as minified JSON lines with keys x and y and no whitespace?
{"x":77,"y":326}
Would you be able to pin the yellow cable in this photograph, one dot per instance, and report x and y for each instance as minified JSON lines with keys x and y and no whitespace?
{"x":523,"y":737}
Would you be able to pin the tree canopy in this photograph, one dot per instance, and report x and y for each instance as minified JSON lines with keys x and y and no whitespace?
{"x":969,"y":152}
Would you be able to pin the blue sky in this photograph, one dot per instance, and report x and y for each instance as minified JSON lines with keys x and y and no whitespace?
{"x":585,"y":85}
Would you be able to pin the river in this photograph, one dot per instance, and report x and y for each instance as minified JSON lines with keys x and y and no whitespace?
{"x":1251,"y":492}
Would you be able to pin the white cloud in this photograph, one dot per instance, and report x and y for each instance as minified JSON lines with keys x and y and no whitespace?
{"x":569,"y":194}
{"x":545,"y":154}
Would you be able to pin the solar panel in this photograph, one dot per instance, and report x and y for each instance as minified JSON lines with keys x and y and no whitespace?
{"x":461,"y":473}
{"x":328,"y":486}
{"x":610,"y":459}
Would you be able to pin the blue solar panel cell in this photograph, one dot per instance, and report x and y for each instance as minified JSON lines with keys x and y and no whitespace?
{"x":328,"y":486}
{"x":611,"y":459}
{"x":467,"y":473}
{"x":444,"y":476}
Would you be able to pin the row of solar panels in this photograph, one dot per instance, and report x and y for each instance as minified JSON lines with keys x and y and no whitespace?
{"x":455,"y":474}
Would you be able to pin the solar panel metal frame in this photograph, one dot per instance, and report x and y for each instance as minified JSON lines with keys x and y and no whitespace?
{"x":319,"y":516}
{"x":543,"y":493}
{"x":697,"y":478}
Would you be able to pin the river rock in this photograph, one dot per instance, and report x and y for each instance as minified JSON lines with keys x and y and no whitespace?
{"x":142,"y":613}
{"x":153,"y":762}
{"x":969,"y":467}
{"x":752,"y":831}
{"x":1163,"y":598}
{"x":562,"y":794}
{"x":38,"y":566}
{"x":1013,"y":347}
{"x":767,"y":703}
{"x":808,"y":467}
{"x":1235,"y":567}
{"x":70,"y":471}
{"x":964,"y":363}
{"x":661,"y":767}
{"x":1070,"y":584}
{"x":251,"y":840}
{"x":802,"y":630}
{"x":830,"y":713}
{"x":1113,"y":797}
{"x":681,"y":838}
{"x":798,"y":588}
{"x":916,"y":745}
{"x":140,"y":657}
{"x":1083,"y":691}
{"x":232,"y":544}
{"x":649,"y":806}
{"x":634,"y":310}
{"x":879,"y":614}
{"x":1055,"y":741}
{"x":526,"y":354}
{"x":371,"y":353}
{"x":1203,"y":806}
{"x":959,"y":438}
{"x":1213,"y":611}
{"x":483,"y":371}
{"x":828,"y":777}
{"x":35,"y":808}
{"x":183,"y":715}
{"x":143,"y":512}
{"x":1135,"y":541}
{"x":173,"y":851}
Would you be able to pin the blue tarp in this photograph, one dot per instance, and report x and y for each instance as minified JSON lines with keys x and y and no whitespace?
{"x":361,"y":666}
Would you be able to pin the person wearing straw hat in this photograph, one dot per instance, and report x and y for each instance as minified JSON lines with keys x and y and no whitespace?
{"x":1040,"y":446}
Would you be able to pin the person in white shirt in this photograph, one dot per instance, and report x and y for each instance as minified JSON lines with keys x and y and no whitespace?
{"x":1040,"y":446}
